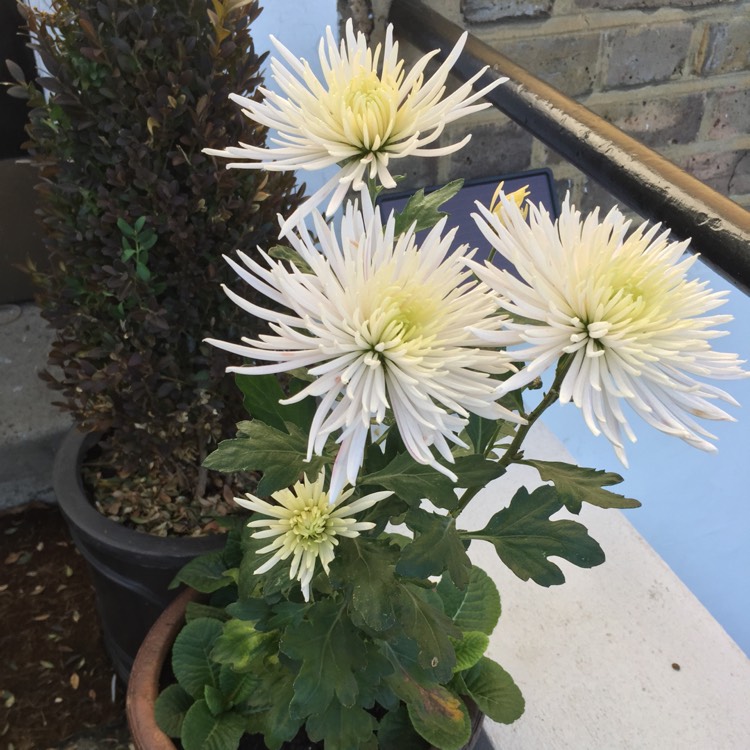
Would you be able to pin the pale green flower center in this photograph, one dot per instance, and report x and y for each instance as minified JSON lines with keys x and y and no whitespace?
{"x":310,"y":523}
{"x":365,"y":93}
{"x":368,"y":106}
{"x":411,"y":313}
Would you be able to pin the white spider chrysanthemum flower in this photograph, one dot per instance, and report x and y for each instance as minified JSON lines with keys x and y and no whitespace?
{"x":360,"y":116}
{"x":380,"y":324}
{"x":304,"y":525}
{"x":622,"y":306}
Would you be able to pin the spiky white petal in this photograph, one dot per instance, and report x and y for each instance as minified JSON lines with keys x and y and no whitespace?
{"x":382,"y":325}
{"x":622,"y":306}
{"x":304,"y":525}
{"x":360,"y":116}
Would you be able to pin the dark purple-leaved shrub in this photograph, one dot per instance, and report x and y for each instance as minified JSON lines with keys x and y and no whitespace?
{"x":136,"y":220}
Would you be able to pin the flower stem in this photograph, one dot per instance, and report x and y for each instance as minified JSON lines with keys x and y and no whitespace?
{"x":513,"y":452}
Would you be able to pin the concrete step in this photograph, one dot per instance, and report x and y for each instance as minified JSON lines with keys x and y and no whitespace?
{"x":30,"y":426}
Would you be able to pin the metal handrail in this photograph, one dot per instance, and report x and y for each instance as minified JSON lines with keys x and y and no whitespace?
{"x":636,"y":175}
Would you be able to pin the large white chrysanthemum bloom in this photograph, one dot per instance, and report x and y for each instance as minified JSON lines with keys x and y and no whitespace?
{"x":622,"y":307}
{"x":381,"y":324}
{"x":304,"y":525}
{"x":360,"y":116}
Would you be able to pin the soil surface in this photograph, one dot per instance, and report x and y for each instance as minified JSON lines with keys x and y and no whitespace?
{"x":57,"y":686}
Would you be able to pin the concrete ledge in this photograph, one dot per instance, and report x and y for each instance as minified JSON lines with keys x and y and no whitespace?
{"x":620,"y":657}
{"x":30,"y":427}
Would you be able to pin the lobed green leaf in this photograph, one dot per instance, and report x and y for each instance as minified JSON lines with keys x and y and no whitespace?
{"x":525,"y":538}
{"x":577,"y":485}
{"x":330,"y":652}
{"x":280,"y":456}
{"x":413,"y":482}
{"x":436,"y":547}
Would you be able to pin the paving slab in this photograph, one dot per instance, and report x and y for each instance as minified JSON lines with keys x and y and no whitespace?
{"x":30,"y":426}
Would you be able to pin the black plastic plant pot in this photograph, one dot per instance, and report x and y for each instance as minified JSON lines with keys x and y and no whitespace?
{"x":130,"y":570}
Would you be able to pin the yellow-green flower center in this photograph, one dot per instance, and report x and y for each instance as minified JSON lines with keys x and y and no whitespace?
{"x":365,"y":93}
{"x":310,"y":523}
{"x":367,"y":105}
{"x":411,"y":313}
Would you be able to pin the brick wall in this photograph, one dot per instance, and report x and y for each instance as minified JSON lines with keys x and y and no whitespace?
{"x":673,"y":73}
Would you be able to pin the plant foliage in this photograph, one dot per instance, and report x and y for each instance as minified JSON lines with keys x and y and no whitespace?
{"x":392,"y":642}
{"x":137,"y":219}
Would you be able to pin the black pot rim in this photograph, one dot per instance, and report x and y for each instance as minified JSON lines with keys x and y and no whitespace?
{"x":75,"y":503}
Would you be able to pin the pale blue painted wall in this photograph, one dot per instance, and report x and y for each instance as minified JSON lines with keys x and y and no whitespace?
{"x":696,"y":505}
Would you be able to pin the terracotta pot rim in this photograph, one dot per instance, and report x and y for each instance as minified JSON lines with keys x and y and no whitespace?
{"x":143,"y":685}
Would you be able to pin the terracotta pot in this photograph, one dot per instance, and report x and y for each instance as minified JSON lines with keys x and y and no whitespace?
{"x":145,"y":678}
{"x":131,"y":571}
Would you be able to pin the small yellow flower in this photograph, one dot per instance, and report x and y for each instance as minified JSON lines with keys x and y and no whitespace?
{"x":517,"y":196}
{"x":305,"y":525}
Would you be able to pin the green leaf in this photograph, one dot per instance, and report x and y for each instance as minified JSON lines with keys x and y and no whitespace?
{"x":525,"y":538}
{"x":170,"y":709}
{"x":494,"y":691}
{"x":413,"y":482}
{"x":368,"y":566}
{"x":191,"y":661}
{"x":476,"y":471}
{"x":430,"y":630}
{"x":142,"y":272}
{"x":201,"y":730}
{"x":205,"y":573}
{"x":436,"y":547}
{"x":148,"y":241}
{"x":576,"y":485}
{"x":423,"y":209}
{"x":436,"y":713}
{"x":195,"y":610}
{"x":215,"y":700}
{"x":139,"y":224}
{"x":242,"y":647}
{"x":253,"y":609}
{"x":280,"y":456}
{"x":396,"y":730}
{"x":286,"y":614}
{"x":280,"y":725}
{"x":125,"y":228}
{"x":481,"y":432}
{"x":239,"y":688}
{"x":477,"y":607}
{"x":342,"y":728}
{"x":262,"y":394}
{"x":283,"y":252}
{"x":470,"y":649}
{"x":330,"y":652}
